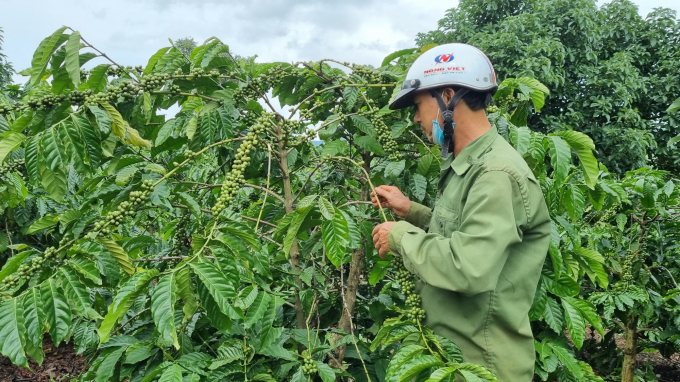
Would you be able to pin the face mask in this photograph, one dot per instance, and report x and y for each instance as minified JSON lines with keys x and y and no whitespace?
{"x":437,"y":132}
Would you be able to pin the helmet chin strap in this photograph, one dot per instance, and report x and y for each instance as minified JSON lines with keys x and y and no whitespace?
{"x":447,"y":115}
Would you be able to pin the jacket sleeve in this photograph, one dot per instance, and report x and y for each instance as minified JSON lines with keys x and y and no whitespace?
{"x":471,"y":260}
{"x":419,"y":215}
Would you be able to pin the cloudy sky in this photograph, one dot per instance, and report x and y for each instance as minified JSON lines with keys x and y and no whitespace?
{"x":130,"y":31}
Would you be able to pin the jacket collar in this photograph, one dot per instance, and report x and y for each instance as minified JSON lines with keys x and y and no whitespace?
{"x":473,"y":150}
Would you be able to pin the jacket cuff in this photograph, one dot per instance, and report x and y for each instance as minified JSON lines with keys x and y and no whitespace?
{"x":419,"y":215}
{"x":394,"y":236}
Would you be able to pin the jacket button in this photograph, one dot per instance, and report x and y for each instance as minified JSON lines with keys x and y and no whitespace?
{"x":441,"y":224}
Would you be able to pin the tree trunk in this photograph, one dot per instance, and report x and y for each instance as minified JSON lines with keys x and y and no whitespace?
{"x":294,"y":251}
{"x":355,"y":268}
{"x":629,"y":350}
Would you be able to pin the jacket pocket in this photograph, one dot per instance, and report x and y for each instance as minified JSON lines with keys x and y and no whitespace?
{"x":444,"y":220}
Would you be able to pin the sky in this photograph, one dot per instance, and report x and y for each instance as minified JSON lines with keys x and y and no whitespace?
{"x":130,"y":31}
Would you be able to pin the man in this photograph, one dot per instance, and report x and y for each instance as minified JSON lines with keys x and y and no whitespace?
{"x":480,"y":250}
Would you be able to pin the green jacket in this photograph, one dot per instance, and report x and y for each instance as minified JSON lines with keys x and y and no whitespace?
{"x":479,"y":255}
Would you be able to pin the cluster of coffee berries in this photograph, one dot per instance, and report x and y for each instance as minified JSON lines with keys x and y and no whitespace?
{"x":118,"y":71}
{"x":260,"y":84}
{"x":201,"y":73}
{"x":5,"y":109}
{"x":190,"y":154}
{"x":405,"y":280}
{"x":180,"y":236}
{"x":368,"y":74}
{"x":309,"y":366}
{"x":153,"y":81}
{"x":235,"y":177}
{"x":12,"y":166}
{"x":45,"y":101}
{"x":26,"y":270}
{"x":492,"y":109}
{"x":127,"y":208}
{"x":628,"y":274}
{"x":78,"y":97}
{"x":385,"y":137}
{"x":126,"y":90}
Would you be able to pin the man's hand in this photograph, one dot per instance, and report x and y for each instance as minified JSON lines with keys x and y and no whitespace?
{"x":390,"y":197}
{"x":380,"y":235}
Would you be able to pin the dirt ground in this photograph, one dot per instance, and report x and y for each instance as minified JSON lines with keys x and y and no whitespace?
{"x":60,"y":363}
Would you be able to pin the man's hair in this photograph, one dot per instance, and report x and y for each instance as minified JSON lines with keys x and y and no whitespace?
{"x":475,"y":100}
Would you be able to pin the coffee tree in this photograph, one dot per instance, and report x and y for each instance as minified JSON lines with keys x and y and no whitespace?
{"x":222,"y":243}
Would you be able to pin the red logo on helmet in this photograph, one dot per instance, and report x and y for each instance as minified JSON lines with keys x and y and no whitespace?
{"x":443,"y":58}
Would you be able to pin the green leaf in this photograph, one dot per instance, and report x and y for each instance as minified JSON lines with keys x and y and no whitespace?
{"x":54,"y":150}
{"x":56,"y":309}
{"x":415,"y":366}
{"x":333,"y":148}
{"x":97,"y":79}
{"x":568,"y":359}
{"x":574,"y":201}
{"x":189,"y":200}
{"x":325,"y":372}
{"x":86,"y":267}
{"x":75,"y":290}
{"x":583,"y":146}
{"x":440,"y":374}
{"x":45,"y":222}
{"x":350,"y":95}
{"x":563,"y":286}
{"x":575,"y":323}
{"x":553,"y":315}
{"x":424,"y":164}
{"x":300,"y":216}
{"x":326,"y":208}
{"x":35,"y":316}
{"x":219,"y":320}
{"x":257,"y":309}
{"x":185,"y":291}
{"x":42,"y":55}
{"x":221,"y":289}
{"x":108,"y":365}
{"x":13,"y":263}
{"x":335,"y":236}
{"x":404,"y":355}
{"x":8,"y":142}
{"x":673,"y":141}
{"x":73,"y":58}
{"x":163,"y":309}
{"x":172,"y":374}
{"x":269,"y":334}
{"x":588,"y":312}
{"x":364,"y":124}
{"x":394,"y":169}
{"x":31,"y":159}
{"x":125,"y":174}
{"x":119,"y":254}
{"x":13,"y":331}
{"x":400,"y":53}
{"x":191,"y":127}
{"x":418,"y":186}
{"x":521,"y":139}
{"x":471,"y":371}
{"x":123,"y":300}
{"x":53,"y":182}
{"x":560,"y":158}
{"x":166,"y":131}
{"x":152,"y":61}
{"x":369,"y":143}
{"x":86,"y":132}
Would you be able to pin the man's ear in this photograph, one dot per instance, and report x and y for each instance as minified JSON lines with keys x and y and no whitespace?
{"x":447,"y":95}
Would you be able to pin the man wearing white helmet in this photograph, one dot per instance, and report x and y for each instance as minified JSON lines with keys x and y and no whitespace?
{"x":479,"y":251}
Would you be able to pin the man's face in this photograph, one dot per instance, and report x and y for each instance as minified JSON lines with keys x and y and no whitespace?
{"x":426,"y":111}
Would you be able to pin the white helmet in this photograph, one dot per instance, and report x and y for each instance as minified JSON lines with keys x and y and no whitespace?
{"x":447,"y":65}
{"x":458,"y":65}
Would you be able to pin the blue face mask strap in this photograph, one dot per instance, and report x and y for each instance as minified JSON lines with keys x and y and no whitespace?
{"x":447,"y":115}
